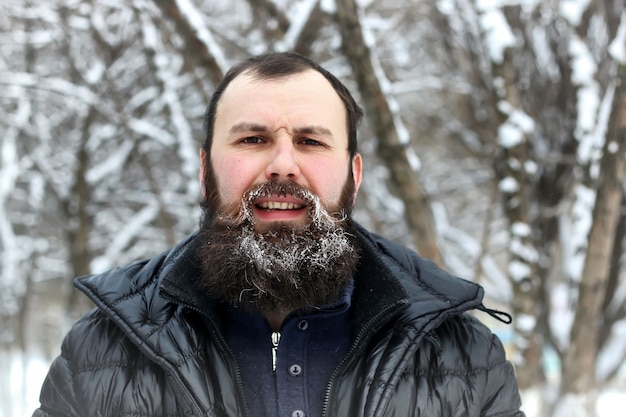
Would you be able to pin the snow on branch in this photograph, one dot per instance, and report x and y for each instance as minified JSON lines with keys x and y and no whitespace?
{"x":300,"y":16}
{"x":9,"y":171}
{"x":194,"y":17}
{"x":168,"y":83}
{"x":613,"y":353}
{"x":573,"y":10}
{"x":575,"y":231}
{"x":133,"y":228}
{"x":386,"y":86}
{"x":497,"y":32}
{"x":584,"y":70}
{"x":518,"y":124}
{"x":66,"y":89}
{"x":617,"y":48}
{"x":52,"y":84}
{"x":110,"y":165}
{"x":154,"y":132}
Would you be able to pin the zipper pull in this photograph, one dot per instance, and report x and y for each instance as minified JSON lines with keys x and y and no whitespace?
{"x":275,"y":340}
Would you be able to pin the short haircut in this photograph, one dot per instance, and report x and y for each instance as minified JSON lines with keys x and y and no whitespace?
{"x":277,"y":65}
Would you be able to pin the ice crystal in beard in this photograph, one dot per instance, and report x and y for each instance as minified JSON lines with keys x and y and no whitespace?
{"x":282,"y":266}
{"x":293,"y":252}
{"x":290,"y":249}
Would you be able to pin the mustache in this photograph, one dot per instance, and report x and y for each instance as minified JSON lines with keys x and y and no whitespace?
{"x":241,"y":211}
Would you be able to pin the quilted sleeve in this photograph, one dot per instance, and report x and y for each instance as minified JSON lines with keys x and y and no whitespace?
{"x":500,"y":395}
{"x":57,"y":394}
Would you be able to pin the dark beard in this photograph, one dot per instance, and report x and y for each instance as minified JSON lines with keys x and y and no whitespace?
{"x":286,"y":267}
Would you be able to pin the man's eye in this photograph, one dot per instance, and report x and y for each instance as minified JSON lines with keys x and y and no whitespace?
{"x":252,"y":139}
{"x":311,"y":142}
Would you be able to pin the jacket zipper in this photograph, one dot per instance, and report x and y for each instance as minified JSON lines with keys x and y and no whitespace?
{"x":275,"y":340}
{"x":386,"y":313}
{"x":151,"y":355}
{"x":357,"y":341}
{"x":222,"y":342}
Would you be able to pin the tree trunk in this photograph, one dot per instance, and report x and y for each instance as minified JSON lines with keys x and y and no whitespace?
{"x":580,"y":359}
{"x":404,"y":180}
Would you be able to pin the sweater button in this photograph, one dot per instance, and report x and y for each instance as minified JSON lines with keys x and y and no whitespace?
{"x":295,"y":370}
{"x":297,"y":413}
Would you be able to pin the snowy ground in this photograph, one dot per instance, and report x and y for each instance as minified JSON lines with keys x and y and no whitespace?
{"x":609,"y":404}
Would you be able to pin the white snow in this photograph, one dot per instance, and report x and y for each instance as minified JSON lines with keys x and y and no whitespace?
{"x":521,"y":229}
{"x":593,"y":111}
{"x":195,"y":19}
{"x":328,"y":6}
{"x":497,"y":32}
{"x":134,"y":227}
{"x":574,"y":230}
{"x":575,"y":220}
{"x":613,"y":353}
{"x":611,"y":403}
{"x":571,"y":406}
{"x":562,"y":315}
{"x":508,"y":185}
{"x":95,"y":73}
{"x":523,"y":251}
{"x":299,"y":16}
{"x":545,"y":58}
{"x":187,"y":148}
{"x":518,"y":271}
{"x":110,"y":165}
{"x":617,"y":48}
{"x":9,"y":172}
{"x":57,"y":85}
{"x":149,"y":129}
{"x":25,"y":384}
{"x":572,"y":10}
{"x":509,"y":135}
{"x":525,"y":322}
{"x":386,"y":86}
{"x":531,"y":167}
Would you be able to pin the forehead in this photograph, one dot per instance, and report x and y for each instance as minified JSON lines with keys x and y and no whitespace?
{"x":306,"y":95}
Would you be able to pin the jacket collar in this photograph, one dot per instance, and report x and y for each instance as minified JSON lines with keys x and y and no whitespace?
{"x":392,"y":280}
{"x":389,"y":279}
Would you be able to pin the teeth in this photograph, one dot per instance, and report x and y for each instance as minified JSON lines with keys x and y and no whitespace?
{"x":275,"y":205}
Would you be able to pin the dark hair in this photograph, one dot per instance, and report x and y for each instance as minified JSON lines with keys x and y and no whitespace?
{"x":278,"y":65}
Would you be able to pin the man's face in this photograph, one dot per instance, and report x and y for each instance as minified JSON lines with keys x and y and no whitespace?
{"x":291,"y":129}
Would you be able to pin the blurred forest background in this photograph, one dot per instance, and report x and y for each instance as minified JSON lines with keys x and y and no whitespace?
{"x":494,"y":143}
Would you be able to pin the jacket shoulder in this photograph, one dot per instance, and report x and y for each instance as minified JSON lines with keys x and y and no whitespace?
{"x":99,"y":372}
{"x":466,"y":337}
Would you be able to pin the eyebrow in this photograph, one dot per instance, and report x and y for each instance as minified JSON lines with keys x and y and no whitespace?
{"x":256,"y":127}
{"x":316,"y":130}
{"x":248,"y":127}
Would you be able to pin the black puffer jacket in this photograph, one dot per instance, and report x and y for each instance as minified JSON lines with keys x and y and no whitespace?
{"x":153,"y":346}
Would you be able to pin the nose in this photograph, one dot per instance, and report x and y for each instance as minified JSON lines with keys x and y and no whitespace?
{"x":283,"y":164}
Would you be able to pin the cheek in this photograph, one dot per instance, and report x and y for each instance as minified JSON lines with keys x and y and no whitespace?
{"x":232,"y":178}
{"x":327,"y":180}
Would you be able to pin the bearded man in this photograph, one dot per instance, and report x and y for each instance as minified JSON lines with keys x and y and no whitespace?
{"x":281,"y":305}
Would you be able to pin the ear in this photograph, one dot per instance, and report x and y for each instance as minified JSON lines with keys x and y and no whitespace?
{"x":357,"y":173}
{"x":201,"y":173}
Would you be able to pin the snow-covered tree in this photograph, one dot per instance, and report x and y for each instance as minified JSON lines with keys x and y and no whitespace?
{"x":546,"y":105}
{"x":515,"y":109}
